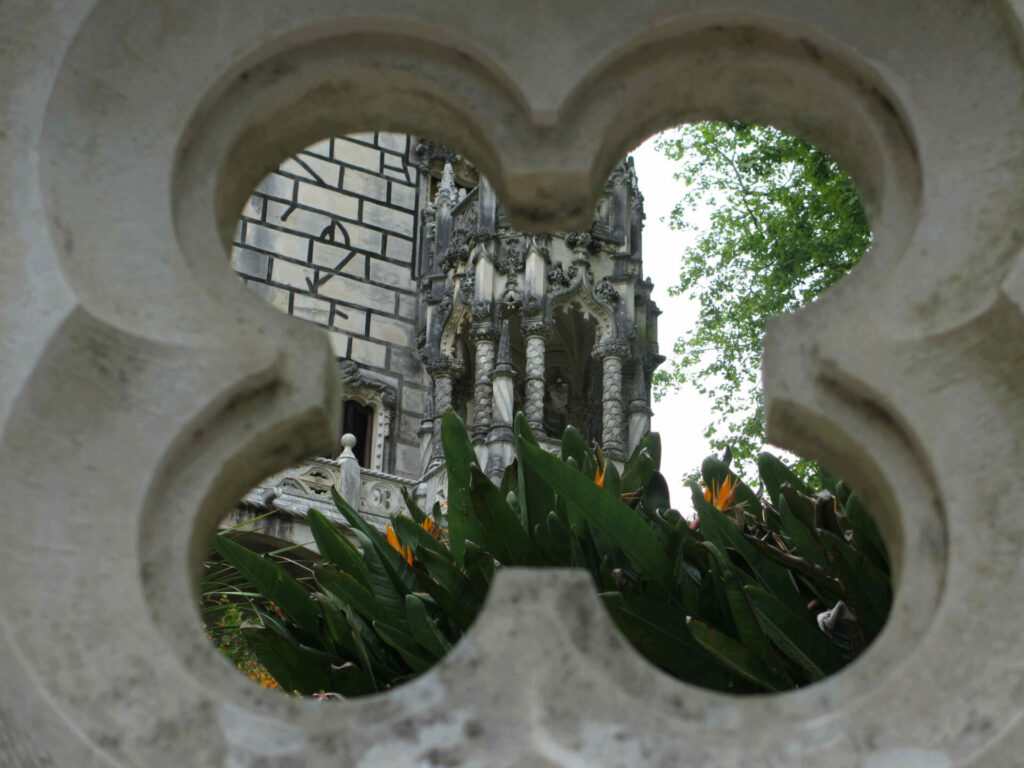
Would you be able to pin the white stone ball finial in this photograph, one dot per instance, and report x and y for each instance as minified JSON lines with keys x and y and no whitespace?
{"x":348,"y":442}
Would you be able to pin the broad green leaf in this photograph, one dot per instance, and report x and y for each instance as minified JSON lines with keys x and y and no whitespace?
{"x":459,"y":457}
{"x":273,"y":582}
{"x":744,"y":662}
{"x":390,"y":598}
{"x":295,"y":667}
{"x":424,"y":630}
{"x":479,"y":570}
{"x":574,"y":446}
{"x":536,"y":496}
{"x":716,"y":527}
{"x":500,"y":529}
{"x":415,"y":512}
{"x":605,"y":512}
{"x":774,"y":473}
{"x":412,"y":535}
{"x":335,"y":547}
{"x":349,"y":591}
{"x":677,"y":655}
{"x":454,"y":607}
{"x":866,"y":533}
{"x":411,"y":653}
{"x":796,"y":636}
{"x":397,"y":568}
{"x":868,"y":590}
{"x":803,"y":540}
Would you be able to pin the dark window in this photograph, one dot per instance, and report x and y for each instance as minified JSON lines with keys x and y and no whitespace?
{"x":358,"y":420}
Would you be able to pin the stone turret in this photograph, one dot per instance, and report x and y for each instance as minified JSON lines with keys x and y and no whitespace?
{"x":559,"y":326}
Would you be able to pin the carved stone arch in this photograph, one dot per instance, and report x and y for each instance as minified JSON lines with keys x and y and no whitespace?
{"x":580,"y":296}
{"x":456,"y":327}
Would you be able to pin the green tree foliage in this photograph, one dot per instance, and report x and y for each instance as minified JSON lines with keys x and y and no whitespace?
{"x":786,"y":223}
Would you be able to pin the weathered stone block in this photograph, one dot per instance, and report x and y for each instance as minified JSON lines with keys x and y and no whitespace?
{"x":388,"y":218}
{"x":396,"y":142}
{"x":350,"y":319}
{"x":403,"y":195}
{"x":364,"y":184}
{"x":312,"y":309}
{"x":350,"y":153}
{"x":339,"y":258}
{"x":328,"y":172}
{"x":399,"y":249}
{"x":369,"y":352}
{"x":389,"y":329}
{"x":276,"y":185}
{"x":393,"y":274}
{"x":289,"y":273}
{"x":359,"y":293}
{"x":414,"y":399}
{"x":274,"y":240}
{"x":250,"y":263}
{"x":328,"y":200}
{"x":297,"y":220}
{"x":406,"y":306}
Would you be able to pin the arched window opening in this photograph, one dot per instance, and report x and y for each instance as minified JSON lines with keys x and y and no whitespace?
{"x":357,"y":420}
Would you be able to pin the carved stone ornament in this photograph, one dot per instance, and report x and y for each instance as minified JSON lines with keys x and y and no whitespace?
{"x":579,"y":241}
{"x":617,"y":349}
{"x":511,"y":300}
{"x":481,"y":310}
{"x":532,"y":305}
{"x":557,"y":277}
{"x":426,"y":152}
{"x":606,"y":291}
{"x":536,"y":328}
{"x":467,"y":289}
{"x":445,"y":366}
{"x":511,"y":259}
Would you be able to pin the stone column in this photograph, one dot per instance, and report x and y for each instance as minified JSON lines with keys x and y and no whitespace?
{"x":536,"y":332}
{"x":348,"y":484}
{"x":443,"y":370}
{"x":639,"y":410}
{"x":611,"y":355}
{"x":500,"y":440}
{"x":485,"y":336}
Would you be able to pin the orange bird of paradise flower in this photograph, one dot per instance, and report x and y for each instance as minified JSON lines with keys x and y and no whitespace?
{"x":427,"y":525}
{"x":721,"y":497}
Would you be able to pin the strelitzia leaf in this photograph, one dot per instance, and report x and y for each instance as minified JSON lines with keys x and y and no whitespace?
{"x":424,"y":629}
{"x":272,"y":581}
{"x":295,"y":667}
{"x":605,"y":512}
{"x":742,"y":661}
{"x":335,"y":548}
{"x":459,"y":457}
{"x":796,"y":636}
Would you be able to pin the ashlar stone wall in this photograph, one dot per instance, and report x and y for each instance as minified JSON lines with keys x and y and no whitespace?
{"x":329,"y":238}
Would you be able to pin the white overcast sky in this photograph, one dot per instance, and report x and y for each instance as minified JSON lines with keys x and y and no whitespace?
{"x":681,"y":417}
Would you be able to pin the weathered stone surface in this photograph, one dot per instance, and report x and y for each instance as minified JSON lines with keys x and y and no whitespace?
{"x":143,"y":389}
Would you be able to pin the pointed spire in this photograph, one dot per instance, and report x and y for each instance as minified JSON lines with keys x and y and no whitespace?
{"x":447,"y":191}
{"x":504,"y":360}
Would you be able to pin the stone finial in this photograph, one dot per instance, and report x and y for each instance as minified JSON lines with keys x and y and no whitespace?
{"x":504,"y":361}
{"x":348,"y":482}
{"x":447,"y":191}
{"x":348,"y":442}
